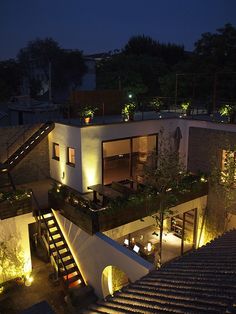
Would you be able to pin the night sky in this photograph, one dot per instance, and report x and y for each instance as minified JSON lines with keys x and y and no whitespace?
{"x":99,"y":26}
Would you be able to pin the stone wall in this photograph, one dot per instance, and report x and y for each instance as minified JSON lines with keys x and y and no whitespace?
{"x":205,"y":147}
{"x":205,"y":152}
{"x":35,"y":165}
{"x":11,"y":137}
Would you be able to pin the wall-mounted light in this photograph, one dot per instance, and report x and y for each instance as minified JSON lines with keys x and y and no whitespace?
{"x":63,"y":175}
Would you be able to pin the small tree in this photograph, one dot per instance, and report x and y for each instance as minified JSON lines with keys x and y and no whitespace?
{"x":163,"y":178}
{"x":12,"y":259}
{"x":222,"y":191}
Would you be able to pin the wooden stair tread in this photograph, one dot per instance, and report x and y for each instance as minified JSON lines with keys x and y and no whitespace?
{"x":69,"y":271}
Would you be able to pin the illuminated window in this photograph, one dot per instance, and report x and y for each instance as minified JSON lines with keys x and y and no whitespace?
{"x":71,"y":156}
{"x":228,"y":168}
{"x":56,"y":151}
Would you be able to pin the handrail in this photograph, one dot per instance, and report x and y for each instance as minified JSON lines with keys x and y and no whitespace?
{"x":16,"y":137}
{"x":40,"y":214}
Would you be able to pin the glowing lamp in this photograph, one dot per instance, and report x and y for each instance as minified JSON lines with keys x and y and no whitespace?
{"x":126,"y":242}
{"x":149,"y":247}
{"x":136,"y":248}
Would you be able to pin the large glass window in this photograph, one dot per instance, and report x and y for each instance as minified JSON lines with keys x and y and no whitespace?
{"x":125,"y":159}
{"x":55,"y":151}
{"x":142,"y":154}
{"x":116,"y":161}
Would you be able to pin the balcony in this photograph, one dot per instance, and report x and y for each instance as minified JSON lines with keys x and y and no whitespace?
{"x":15,"y":203}
{"x":93,"y":218}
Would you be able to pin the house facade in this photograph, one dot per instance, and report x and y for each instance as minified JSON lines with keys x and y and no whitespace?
{"x":81,"y":157}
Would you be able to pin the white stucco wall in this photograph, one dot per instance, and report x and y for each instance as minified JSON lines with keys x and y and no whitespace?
{"x":66,"y":136}
{"x":18,"y":228}
{"x":92,"y":137}
{"x":87,"y":142}
{"x":94,"y":253}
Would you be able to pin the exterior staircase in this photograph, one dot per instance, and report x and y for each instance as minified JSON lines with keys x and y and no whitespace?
{"x":59,"y":252}
{"x":6,"y":181}
{"x":27,"y":146}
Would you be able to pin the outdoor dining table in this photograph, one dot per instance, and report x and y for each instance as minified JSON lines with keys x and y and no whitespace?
{"x":105,"y":191}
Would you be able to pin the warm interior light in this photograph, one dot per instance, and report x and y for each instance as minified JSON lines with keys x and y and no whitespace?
{"x":149,"y":247}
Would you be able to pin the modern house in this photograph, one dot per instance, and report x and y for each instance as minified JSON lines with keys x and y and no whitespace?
{"x":92,"y":166}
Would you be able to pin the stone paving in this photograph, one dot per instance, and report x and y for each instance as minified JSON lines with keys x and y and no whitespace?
{"x":20,"y":297}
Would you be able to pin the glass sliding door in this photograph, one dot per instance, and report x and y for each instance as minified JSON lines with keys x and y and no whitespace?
{"x":142,"y":154}
{"x":116,"y":160}
{"x":125,"y":159}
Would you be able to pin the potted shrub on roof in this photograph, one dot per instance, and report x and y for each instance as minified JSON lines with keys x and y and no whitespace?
{"x":156,"y":104}
{"x":186,"y":107}
{"x":87,"y":113}
{"x":128,"y":111}
{"x":228,"y":111}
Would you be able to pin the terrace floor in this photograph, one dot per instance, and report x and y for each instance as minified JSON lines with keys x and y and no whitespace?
{"x":40,"y":189}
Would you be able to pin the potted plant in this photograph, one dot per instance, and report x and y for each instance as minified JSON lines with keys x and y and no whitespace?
{"x":186,"y":107}
{"x":156,"y":104}
{"x":128,"y":111}
{"x":87,"y":113}
{"x":228,"y":111}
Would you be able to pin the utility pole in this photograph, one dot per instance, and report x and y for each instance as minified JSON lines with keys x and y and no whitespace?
{"x":176,"y":89}
{"x":50,"y":81}
{"x":119,"y":83}
{"x":214,"y":93}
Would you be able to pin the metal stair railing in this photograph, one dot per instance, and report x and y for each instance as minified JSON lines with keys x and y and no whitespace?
{"x":48,"y":230}
{"x":29,"y":144}
{"x":17,"y":138}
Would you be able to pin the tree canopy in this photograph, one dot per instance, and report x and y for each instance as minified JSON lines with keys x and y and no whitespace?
{"x":67,"y":66}
{"x":139,"y":66}
{"x":10,"y":75}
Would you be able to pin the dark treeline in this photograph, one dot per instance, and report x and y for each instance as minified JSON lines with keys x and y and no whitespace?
{"x":144,"y":67}
{"x":149,"y":68}
{"x":35,"y":62}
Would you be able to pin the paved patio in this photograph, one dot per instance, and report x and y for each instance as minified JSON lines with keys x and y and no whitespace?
{"x":19,"y":297}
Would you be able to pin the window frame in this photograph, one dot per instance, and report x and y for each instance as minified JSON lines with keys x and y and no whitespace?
{"x":130,"y":138}
{"x":54,"y":156}
{"x":69,"y":163}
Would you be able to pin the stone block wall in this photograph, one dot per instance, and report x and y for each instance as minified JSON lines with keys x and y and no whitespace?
{"x":205,"y":152}
{"x":35,"y":165}
{"x":11,"y":137}
{"x":205,"y":148}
